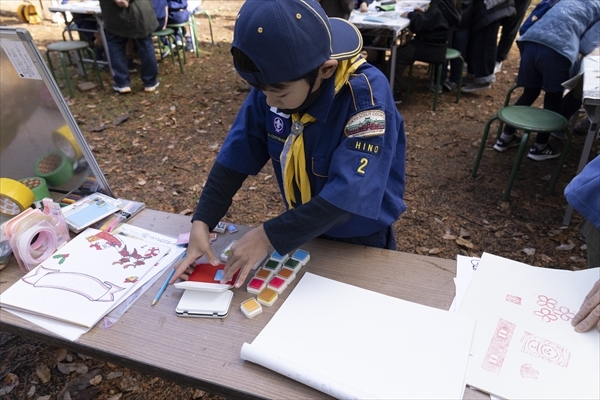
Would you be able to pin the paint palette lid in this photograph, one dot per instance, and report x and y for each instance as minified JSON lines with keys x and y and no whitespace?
{"x":277,"y":283}
{"x":256,"y":285}
{"x":301,"y":255}
{"x":278,"y":257}
{"x":272,"y":265}
{"x":207,"y":277}
{"x":267,"y":297}
{"x":251,"y":307}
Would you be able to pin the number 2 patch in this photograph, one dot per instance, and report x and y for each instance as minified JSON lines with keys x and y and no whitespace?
{"x":362,"y":165}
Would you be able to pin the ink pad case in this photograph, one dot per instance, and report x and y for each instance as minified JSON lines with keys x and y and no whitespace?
{"x":286,"y":274}
{"x":251,"y":307}
{"x":293,"y":264}
{"x":272,"y":265}
{"x":267,"y":297}
{"x":256,"y":285}
{"x":301,"y":255}
{"x":225,"y":253}
{"x":278,"y":257}
{"x":277,"y":283}
{"x":263,"y":273}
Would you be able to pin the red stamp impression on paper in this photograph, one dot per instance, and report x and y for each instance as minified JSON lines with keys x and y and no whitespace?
{"x":513,"y":299}
{"x":545,"y":349}
{"x":528,"y":372}
{"x":551,"y":311}
{"x":498,"y":346}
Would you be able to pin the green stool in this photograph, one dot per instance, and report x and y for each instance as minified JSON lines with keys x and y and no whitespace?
{"x":451,"y":54}
{"x":201,"y":11}
{"x":170,"y":35}
{"x":66,"y":47}
{"x":178,"y":28}
{"x":529,"y":119}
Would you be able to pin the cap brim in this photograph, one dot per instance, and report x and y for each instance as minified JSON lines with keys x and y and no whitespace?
{"x":346,"y":39}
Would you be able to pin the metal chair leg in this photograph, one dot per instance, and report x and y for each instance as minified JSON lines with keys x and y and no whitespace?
{"x":66,"y":73}
{"x":516,"y":165}
{"x":486,"y":131}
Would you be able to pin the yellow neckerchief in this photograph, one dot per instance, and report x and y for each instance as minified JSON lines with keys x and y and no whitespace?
{"x":293,"y":163}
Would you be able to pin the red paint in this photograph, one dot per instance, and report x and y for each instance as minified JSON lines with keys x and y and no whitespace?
{"x":256,"y":283}
{"x":277,"y":282}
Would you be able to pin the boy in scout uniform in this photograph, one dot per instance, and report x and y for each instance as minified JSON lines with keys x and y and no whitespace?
{"x":327,"y":121}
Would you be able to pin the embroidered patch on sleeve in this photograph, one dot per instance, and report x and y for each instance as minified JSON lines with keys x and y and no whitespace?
{"x":362,"y":146}
{"x":366,"y":124}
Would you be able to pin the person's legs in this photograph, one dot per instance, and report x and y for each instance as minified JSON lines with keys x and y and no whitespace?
{"x":459,"y":41}
{"x":510,"y":28}
{"x":405,"y":57}
{"x":482,"y":57}
{"x":149,"y":66}
{"x":118,"y":61}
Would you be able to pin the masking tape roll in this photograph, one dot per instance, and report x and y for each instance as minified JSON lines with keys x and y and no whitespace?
{"x":38,"y":187}
{"x":14,"y":197}
{"x":65,"y":141}
{"x":55,"y":168}
{"x":35,"y":245}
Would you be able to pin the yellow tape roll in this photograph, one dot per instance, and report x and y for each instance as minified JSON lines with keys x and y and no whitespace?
{"x":65,"y":141}
{"x":14,"y":197}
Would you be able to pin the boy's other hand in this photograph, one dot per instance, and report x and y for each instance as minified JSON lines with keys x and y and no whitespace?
{"x":245,"y":253}
{"x":198,"y":246}
{"x":589,"y":314}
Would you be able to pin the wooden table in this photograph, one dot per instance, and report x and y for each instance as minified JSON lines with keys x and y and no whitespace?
{"x":205,"y":353}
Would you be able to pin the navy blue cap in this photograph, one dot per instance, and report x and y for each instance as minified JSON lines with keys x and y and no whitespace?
{"x":286,"y":39}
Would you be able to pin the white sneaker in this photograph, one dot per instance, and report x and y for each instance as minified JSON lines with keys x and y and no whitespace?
{"x":125,"y":89}
{"x":151,"y":88}
{"x":498,"y":67}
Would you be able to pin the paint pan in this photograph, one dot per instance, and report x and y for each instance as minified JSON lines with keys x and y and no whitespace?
{"x":278,"y":257}
{"x":277,"y":283}
{"x":264,"y":273}
{"x":256,"y":285}
{"x":301,"y":255}
{"x":293,"y":264}
{"x":272,"y":265}
{"x":287,"y":274}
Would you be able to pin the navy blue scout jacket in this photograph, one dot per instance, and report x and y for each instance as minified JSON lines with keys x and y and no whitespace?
{"x":355,"y":151}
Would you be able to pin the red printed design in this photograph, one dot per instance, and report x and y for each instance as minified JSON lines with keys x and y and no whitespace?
{"x":545,"y":349}
{"x":551,"y":311}
{"x":527,"y":371}
{"x":513,"y":299}
{"x":498,"y":347}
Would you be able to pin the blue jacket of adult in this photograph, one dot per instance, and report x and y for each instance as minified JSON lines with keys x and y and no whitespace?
{"x":570,"y":27}
{"x":583,"y":192}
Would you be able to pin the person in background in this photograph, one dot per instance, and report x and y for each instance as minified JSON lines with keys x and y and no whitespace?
{"x":124,"y":20}
{"x":326,"y":120}
{"x":432,"y":27}
{"x":161,"y":9}
{"x":550,"y":51}
{"x":510,"y":27}
{"x":459,"y":40}
{"x":179,"y":14}
{"x":583,"y":194}
{"x":483,"y":41}
{"x":337,"y":8}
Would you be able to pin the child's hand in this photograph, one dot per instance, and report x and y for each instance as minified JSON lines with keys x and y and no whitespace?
{"x":364,"y":7}
{"x":419,"y":10}
{"x":198,"y":246}
{"x":245,"y":253}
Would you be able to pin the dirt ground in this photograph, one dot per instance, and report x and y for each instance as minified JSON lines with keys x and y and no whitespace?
{"x":158,"y":148}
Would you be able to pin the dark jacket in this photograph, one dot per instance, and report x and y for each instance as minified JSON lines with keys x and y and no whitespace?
{"x":136,"y":21}
{"x":337,"y":8}
{"x":486,"y":12}
{"x":436,"y":23}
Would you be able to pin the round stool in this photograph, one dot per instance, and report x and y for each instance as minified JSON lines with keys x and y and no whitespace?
{"x":169,"y":34}
{"x":529,"y":119}
{"x":179,"y":30}
{"x":451,"y":54}
{"x":66,"y":47}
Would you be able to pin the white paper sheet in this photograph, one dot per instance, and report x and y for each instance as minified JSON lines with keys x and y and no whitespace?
{"x":349,"y":342}
{"x":465,"y":269}
{"x":524,"y":345}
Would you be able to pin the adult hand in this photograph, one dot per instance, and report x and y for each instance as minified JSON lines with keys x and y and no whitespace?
{"x":245,"y":253}
{"x":589,"y":314}
{"x":364,"y":7}
{"x":198,"y":246}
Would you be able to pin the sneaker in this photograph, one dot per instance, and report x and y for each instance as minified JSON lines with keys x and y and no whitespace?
{"x":476,"y":87}
{"x":449,"y":86}
{"x":151,"y":88}
{"x":502,"y":146}
{"x":190,"y":47}
{"x":498,"y":67}
{"x":397,"y":97}
{"x":583,"y":127}
{"x":544,"y":154}
{"x":560,"y":135}
{"x":125,"y":89}
{"x":432,"y":87}
{"x":165,"y":54}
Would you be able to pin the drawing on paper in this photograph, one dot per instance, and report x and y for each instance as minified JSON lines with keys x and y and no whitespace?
{"x":545,"y":349}
{"x":85,"y":285}
{"x":131,"y":279}
{"x":513,"y":299}
{"x":528,"y":372}
{"x":105,"y":240}
{"x":551,"y":311}
{"x":60,"y":257}
{"x":498,"y":348}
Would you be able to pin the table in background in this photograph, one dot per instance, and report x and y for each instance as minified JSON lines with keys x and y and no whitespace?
{"x":205,"y":353}
{"x":590,"y":70}
{"x":391,"y":24}
{"x":91,"y":8}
